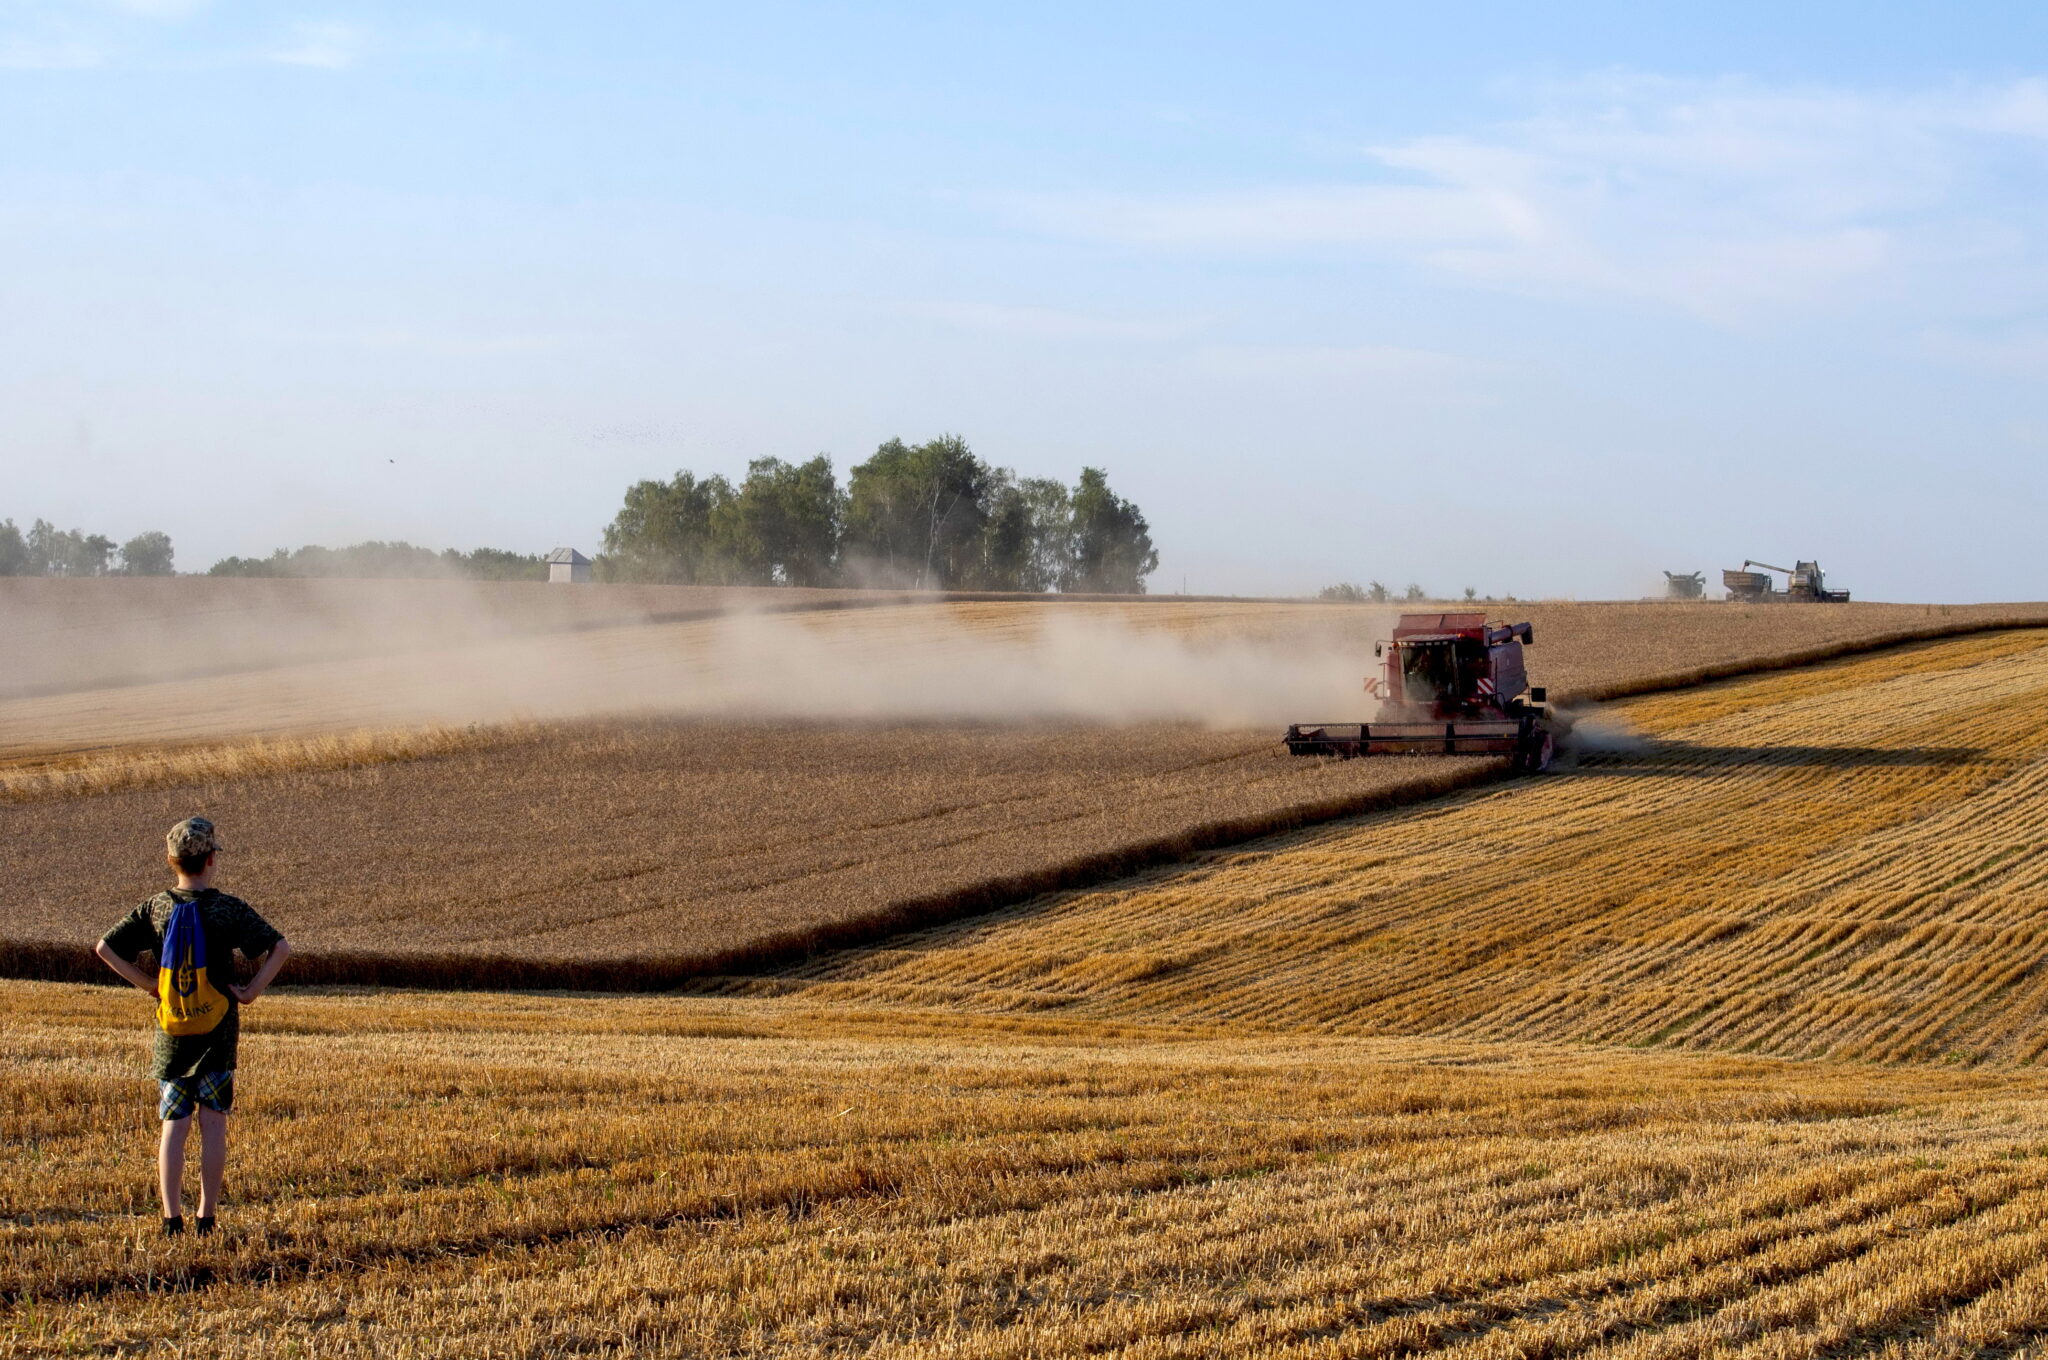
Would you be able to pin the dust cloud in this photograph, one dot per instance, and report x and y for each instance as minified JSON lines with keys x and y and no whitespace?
{"x":1065,"y":663}
{"x":1596,"y":733}
{"x":66,"y":635}
{"x":224,"y":659}
{"x":1070,"y":665}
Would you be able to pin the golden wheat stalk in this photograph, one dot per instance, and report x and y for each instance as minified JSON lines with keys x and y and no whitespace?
{"x":38,"y":779}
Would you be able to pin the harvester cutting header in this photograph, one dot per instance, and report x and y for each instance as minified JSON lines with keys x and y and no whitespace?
{"x":1451,"y":685}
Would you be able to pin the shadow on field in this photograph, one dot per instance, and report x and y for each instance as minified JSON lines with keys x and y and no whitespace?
{"x":1655,"y":757}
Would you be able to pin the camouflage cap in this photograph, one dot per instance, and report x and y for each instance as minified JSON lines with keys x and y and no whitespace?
{"x":192,"y":838}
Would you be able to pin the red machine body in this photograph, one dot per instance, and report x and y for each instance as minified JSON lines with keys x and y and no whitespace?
{"x":1451,"y":684}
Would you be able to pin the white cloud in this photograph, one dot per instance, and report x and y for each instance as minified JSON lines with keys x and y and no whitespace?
{"x":1724,"y":199}
{"x":331,"y":47}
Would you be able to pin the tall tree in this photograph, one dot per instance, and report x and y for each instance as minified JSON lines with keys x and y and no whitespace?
{"x":673,"y":531}
{"x":13,"y":551}
{"x":1113,"y":551}
{"x":784,"y":522}
{"x":147,"y":554}
{"x":51,"y":551}
{"x":1028,"y":534}
{"x":1006,"y":539}
{"x":42,"y":548}
{"x":915,"y":516}
{"x":91,"y":554}
{"x":1052,"y":533}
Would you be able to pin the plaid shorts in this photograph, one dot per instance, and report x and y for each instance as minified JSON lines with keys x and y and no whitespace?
{"x":214,"y":1090}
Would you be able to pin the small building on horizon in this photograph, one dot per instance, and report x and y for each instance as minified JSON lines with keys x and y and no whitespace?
{"x":566,"y":566}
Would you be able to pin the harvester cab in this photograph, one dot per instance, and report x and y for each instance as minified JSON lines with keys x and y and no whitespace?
{"x":1450,"y":684}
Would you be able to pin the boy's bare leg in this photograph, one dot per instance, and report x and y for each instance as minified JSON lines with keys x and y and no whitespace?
{"x":213,"y":1158}
{"x":170,"y":1164}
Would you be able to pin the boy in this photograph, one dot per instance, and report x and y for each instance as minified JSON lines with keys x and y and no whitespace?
{"x":196,"y":1071}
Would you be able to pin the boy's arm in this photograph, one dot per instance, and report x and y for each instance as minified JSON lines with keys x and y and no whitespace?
{"x":272,"y":961}
{"x":126,"y":969}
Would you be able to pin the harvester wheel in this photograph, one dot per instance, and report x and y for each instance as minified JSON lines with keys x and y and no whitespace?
{"x":1536,"y":752}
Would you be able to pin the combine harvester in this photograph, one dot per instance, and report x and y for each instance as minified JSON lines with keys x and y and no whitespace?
{"x":1690,"y":586}
{"x":1453,"y":686}
{"x":1803,"y":583}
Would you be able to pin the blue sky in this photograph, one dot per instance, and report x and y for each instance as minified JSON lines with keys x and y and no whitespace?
{"x":1529,"y":301}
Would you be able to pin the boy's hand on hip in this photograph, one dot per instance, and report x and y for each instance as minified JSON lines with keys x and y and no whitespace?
{"x":245,"y":995}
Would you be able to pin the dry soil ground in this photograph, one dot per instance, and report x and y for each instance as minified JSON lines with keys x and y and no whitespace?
{"x":1461,"y":1077}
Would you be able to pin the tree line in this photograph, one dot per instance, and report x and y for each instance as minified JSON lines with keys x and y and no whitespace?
{"x":46,"y":550}
{"x":925,"y":516}
{"x":1372,"y":592}
{"x":376,"y":558}
{"x":931,"y":516}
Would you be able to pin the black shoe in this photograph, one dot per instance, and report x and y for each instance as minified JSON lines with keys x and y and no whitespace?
{"x":203,"y":1224}
{"x":174,"y":1226}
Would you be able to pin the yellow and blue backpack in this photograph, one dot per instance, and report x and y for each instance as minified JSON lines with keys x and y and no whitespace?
{"x":187,"y":1002}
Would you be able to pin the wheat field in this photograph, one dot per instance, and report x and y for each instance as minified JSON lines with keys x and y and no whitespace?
{"x":1721,"y":1044}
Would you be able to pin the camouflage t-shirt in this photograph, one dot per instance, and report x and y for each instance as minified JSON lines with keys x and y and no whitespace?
{"x":231,"y":925}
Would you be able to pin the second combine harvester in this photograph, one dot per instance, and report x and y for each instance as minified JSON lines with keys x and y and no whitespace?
{"x":1452,"y":685}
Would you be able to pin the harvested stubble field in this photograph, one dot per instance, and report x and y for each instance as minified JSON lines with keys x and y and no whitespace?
{"x":1139,"y":1121}
{"x":1835,"y":862}
{"x":545,"y":1176}
{"x":633,"y":852}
